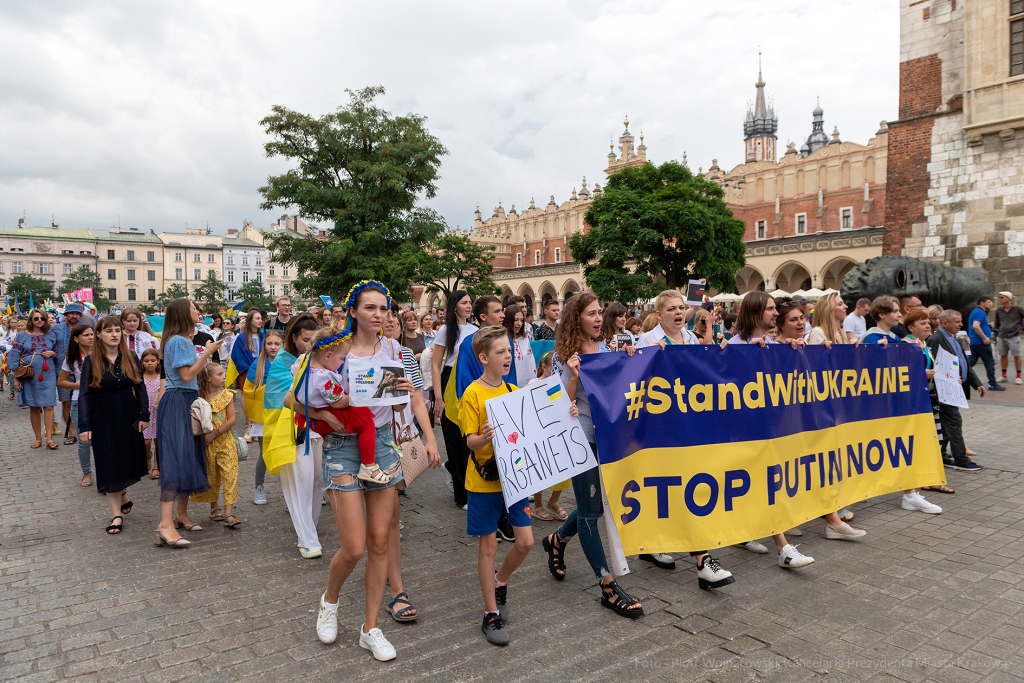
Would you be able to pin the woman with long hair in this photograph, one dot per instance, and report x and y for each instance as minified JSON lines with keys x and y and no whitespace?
{"x":253,"y":392}
{"x":244,"y":350}
{"x":450,"y":336}
{"x":580,"y":333}
{"x":411,"y":338}
{"x":522,"y":352}
{"x":364,"y":511}
{"x":113,"y":411}
{"x":36,"y":347}
{"x":828,"y":321}
{"x":136,"y":332}
{"x":615,"y":318}
{"x":182,"y":454}
{"x":79,"y":347}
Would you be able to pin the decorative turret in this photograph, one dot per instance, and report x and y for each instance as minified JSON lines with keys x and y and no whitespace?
{"x":760,"y":125}
{"x":818,"y":137}
{"x":628,"y":155}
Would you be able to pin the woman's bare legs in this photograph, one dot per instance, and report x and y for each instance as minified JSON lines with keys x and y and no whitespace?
{"x":395,"y":559}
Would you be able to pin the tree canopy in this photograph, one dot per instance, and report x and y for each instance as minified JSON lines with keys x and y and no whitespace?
{"x":210,"y":292}
{"x":253,"y":293}
{"x":655,"y":227}
{"x":23,"y":284}
{"x":452,"y":261}
{"x":361,"y":170}
{"x":84,"y":276}
{"x":175,"y":291}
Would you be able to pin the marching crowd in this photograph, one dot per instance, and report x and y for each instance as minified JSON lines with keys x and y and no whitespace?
{"x":136,"y":405}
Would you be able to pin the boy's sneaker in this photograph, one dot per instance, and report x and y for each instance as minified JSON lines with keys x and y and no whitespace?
{"x":373,"y":473}
{"x":375,"y":642}
{"x":842,"y":532}
{"x":711,"y":575}
{"x":448,"y":478}
{"x":915,"y":501}
{"x":969,"y":466}
{"x":494,"y":629}
{"x":791,"y":558}
{"x":327,"y":623}
{"x":258,"y":496}
{"x":753,"y":546}
{"x":505,"y":530}
{"x":500,"y":595}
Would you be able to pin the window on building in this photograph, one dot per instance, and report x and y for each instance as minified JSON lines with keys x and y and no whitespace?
{"x":111,"y":274}
{"x":801,"y":224}
{"x":558,"y":255}
{"x":284,"y":273}
{"x":151,"y":294}
{"x":273,"y":290}
{"x":17,"y":267}
{"x":245,"y":276}
{"x":271,"y":271}
{"x":177,"y":273}
{"x":110,"y":254}
{"x":151,"y":256}
{"x":245,"y":260}
{"x":761,"y":230}
{"x":231,"y":276}
{"x":44,"y":268}
{"x":131,"y":295}
{"x":846,"y":218}
{"x":211,"y":258}
{"x":177,"y":256}
{"x":286,"y":290}
{"x":231,"y":260}
{"x":1016,"y":37}
{"x":259,"y":276}
{"x":259,"y":260}
{"x":68,"y":269}
{"x":536,"y":257}
{"x":112,"y":294}
{"x":131,"y":255}
{"x":197,"y":258}
{"x":151,"y":275}
{"x":519,"y":260}
{"x":131,"y":273}
{"x":211,"y":272}
{"x":197,"y":274}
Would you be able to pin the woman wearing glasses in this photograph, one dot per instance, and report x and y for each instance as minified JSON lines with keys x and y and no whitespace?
{"x":36,"y":348}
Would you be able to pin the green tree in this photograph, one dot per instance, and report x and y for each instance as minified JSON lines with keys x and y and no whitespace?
{"x":22,"y":285}
{"x":452,"y":261}
{"x":253,"y":293}
{"x":175,"y":291}
{"x":655,"y":227}
{"x":210,"y":292}
{"x":148,"y":309}
{"x":84,"y":276}
{"x":361,"y":170}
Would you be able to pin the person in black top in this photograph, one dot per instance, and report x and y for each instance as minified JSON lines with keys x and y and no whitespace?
{"x":283,"y":317}
{"x":199,"y":340}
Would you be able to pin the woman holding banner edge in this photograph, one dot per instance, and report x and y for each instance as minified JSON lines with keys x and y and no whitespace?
{"x":580,"y":333}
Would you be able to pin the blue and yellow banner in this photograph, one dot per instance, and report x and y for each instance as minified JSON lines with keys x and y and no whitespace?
{"x":702,"y":447}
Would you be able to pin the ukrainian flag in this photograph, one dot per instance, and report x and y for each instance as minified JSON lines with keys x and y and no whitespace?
{"x":278,"y":421}
{"x":253,"y":396}
{"x":234,"y":311}
{"x":242,"y":357}
{"x":555,"y":392}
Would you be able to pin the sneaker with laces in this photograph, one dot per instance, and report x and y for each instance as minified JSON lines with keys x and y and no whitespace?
{"x":915,"y":501}
{"x":753,"y":546}
{"x":258,"y":496}
{"x":791,"y":558}
{"x":500,"y":597}
{"x":1002,"y":379}
{"x":375,"y":642}
{"x":843,"y":532}
{"x":327,"y":623}
{"x":310,"y":553}
{"x":969,"y":466}
{"x":711,"y":575}
{"x":494,"y":629}
{"x":505,"y":530}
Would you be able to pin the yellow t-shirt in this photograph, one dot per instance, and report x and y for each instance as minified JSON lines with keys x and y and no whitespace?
{"x":472,"y":415}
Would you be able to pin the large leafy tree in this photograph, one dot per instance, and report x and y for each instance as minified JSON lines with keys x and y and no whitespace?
{"x":84,"y":276}
{"x":175,"y":291}
{"x":22,"y":285}
{"x":360,"y":170}
{"x":452,"y":261}
{"x":655,"y":227}
{"x":253,"y":293}
{"x":210,"y":292}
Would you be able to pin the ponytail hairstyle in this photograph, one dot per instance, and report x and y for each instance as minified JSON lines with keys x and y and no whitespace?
{"x":296,"y":326}
{"x":204,"y":378}
{"x":262,"y":361}
{"x":129,"y":365}
{"x":451,"y":321}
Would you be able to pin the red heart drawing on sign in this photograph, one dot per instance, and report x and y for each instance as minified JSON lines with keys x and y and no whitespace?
{"x":513,"y":437}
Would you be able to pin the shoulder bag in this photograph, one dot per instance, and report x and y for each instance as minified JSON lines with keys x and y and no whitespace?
{"x":414,"y":453}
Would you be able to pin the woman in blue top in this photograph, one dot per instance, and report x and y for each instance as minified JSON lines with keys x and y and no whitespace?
{"x":244,"y":350}
{"x":36,"y":347}
{"x":182,"y":455}
{"x":886,"y":312}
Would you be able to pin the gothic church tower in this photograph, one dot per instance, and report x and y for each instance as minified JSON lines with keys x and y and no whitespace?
{"x":760,"y":125}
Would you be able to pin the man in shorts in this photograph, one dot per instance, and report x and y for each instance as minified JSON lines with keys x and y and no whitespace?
{"x":1009,"y":320}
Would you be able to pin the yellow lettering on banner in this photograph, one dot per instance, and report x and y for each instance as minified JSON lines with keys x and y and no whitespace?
{"x":823,"y":394}
{"x":865,"y":383}
{"x":878,"y":380}
{"x":849,"y":382}
{"x":801,"y":385}
{"x":832,"y":378}
{"x":725,"y":391}
{"x":888,"y":380}
{"x":680,"y":392}
{"x":750,"y":388}
{"x":708,"y":402}
{"x":659,"y":401}
{"x":779,"y":389}
{"x":904,"y":378}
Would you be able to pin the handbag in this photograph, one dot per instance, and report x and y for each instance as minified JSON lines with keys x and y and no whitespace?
{"x":242,"y":446}
{"x":24,"y":370}
{"x":414,"y":453}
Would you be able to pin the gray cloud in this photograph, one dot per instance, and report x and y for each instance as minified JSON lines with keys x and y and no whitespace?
{"x":151,"y":111}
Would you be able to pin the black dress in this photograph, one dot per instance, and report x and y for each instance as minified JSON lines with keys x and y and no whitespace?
{"x":109,"y":412}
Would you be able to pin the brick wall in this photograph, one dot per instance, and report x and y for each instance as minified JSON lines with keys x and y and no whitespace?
{"x":920,"y":86}
{"x":830,"y":220}
{"x":907,"y":181}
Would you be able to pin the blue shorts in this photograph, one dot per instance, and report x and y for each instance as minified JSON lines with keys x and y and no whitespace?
{"x":484,"y":511}
{"x":341,"y":456}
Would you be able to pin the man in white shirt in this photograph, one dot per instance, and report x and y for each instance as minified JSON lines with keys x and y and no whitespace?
{"x":854,"y":326}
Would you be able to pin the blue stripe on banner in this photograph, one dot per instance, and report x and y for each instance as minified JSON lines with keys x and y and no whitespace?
{"x":701,"y":395}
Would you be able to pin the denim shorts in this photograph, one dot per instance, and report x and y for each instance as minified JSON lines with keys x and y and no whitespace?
{"x":64,"y":395}
{"x":341,"y":456}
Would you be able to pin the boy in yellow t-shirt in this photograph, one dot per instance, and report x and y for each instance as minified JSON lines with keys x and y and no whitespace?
{"x":485,"y":500}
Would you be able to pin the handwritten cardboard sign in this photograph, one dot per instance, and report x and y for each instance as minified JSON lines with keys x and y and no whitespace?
{"x":536,"y":442}
{"x":372,"y":382}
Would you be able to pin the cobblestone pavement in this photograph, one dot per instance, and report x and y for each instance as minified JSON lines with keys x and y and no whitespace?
{"x":936,"y":598}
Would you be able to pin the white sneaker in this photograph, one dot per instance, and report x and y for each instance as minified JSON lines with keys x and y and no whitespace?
{"x":711,"y":575}
{"x":323,"y":499}
{"x":465,"y":507}
{"x":846,"y":515}
{"x":1018,"y":381}
{"x":327,"y":623}
{"x":448,"y":478}
{"x":1003,"y":379}
{"x":791,"y":558}
{"x":258,"y":496}
{"x":843,"y":532}
{"x":915,"y":501}
{"x":753,"y":546}
{"x":375,"y":642}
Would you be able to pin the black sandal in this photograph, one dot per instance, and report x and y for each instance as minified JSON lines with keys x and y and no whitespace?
{"x":126,"y":507}
{"x":624,"y":604}
{"x":115,"y":528}
{"x":400,"y":615}
{"x":556,"y":563}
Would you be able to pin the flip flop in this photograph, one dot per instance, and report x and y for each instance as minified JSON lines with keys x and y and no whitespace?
{"x":938,"y":489}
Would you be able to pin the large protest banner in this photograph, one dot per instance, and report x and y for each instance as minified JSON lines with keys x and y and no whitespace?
{"x":702,"y":447}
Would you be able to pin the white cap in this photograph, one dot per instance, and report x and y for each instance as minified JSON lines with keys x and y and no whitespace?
{"x":1008,"y":295}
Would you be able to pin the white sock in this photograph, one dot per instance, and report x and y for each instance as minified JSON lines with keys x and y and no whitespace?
{"x":496,"y":582}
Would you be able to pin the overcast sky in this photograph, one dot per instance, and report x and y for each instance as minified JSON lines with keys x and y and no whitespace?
{"x":148,"y":113}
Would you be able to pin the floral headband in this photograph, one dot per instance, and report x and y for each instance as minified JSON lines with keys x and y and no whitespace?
{"x":357,"y":289}
{"x":334,"y":339}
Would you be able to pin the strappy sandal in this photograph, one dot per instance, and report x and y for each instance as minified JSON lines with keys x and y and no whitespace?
{"x":71,"y":441}
{"x":558,"y":512}
{"x":126,"y":507}
{"x":399,"y":615}
{"x":938,"y":489}
{"x":216,"y":514}
{"x":36,"y":444}
{"x":619,"y":601}
{"x":556,"y":563}
{"x":231,"y":522}
{"x":176,"y":543}
{"x":85,"y":483}
{"x":115,"y":529}
{"x":156,"y":475}
{"x":178,"y":524}
{"x":541,"y":514}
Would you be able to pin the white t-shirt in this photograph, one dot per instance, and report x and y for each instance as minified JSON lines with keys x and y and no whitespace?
{"x":657,"y":334}
{"x":856,"y":324}
{"x":522,"y":356}
{"x":442,"y":335}
{"x":76,"y":371}
{"x":140,"y":341}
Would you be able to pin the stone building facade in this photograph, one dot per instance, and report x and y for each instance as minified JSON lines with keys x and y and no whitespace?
{"x":191,"y":256}
{"x":957,"y":167}
{"x":130,"y":263}
{"x":244,"y":260}
{"x":50,"y":254}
